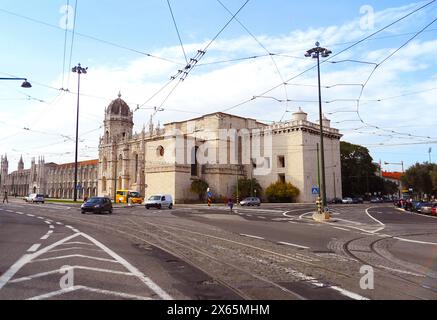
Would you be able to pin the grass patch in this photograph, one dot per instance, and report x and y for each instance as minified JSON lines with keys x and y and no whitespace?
{"x":62,"y":201}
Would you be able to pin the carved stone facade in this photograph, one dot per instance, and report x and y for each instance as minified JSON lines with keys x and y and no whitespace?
{"x":50,"y":179}
{"x":167,"y":160}
{"x":218,"y":148}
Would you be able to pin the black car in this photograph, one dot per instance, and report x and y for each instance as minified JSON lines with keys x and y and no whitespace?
{"x":357,"y":200}
{"x":336,"y":201}
{"x":97,"y":205}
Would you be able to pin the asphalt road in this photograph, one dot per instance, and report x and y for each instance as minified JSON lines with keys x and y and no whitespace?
{"x":53,"y":252}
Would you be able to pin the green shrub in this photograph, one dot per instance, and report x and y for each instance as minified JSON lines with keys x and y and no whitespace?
{"x":282,"y":192}
{"x":199,"y":187}
{"x":248,"y":188}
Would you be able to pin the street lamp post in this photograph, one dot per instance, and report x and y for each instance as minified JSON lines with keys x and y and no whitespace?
{"x":396,"y":163}
{"x":25,"y":84}
{"x":79,"y":70}
{"x":315,"y":53}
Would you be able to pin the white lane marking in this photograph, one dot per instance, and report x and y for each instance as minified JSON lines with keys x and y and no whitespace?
{"x":341,"y":228}
{"x":250,"y":236}
{"x":285,"y":214}
{"x":30,"y":215}
{"x":415,"y":241}
{"x":20,"y":213}
{"x":76,"y":248}
{"x":59,"y":223}
{"x":26,"y":259}
{"x":147,"y":281}
{"x":78,"y":242}
{"x":293,"y":222}
{"x":349,"y":294}
{"x":41,"y":218}
{"x":10,"y":211}
{"x":75,"y":230}
{"x":293,"y":245}
{"x":379,"y":222}
{"x":417,"y":214}
{"x":69,"y":227}
{"x":34,"y":248}
{"x":76,"y":288}
{"x":47,"y":235}
{"x":47,"y":222}
{"x":51,"y":227}
{"x":43,"y":274}
{"x":305,"y":214}
{"x":319,"y":284}
{"x":75,"y":256}
{"x":403,"y":271}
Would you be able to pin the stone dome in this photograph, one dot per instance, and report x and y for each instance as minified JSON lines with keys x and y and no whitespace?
{"x":118,"y":107}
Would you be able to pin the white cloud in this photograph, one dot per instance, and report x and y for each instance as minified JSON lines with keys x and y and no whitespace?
{"x":216,"y":87}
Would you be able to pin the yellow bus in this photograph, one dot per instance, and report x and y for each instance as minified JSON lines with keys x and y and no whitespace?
{"x":126,"y":196}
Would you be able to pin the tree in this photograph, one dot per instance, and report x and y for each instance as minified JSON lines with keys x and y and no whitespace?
{"x":358,"y":170}
{"x":359,"y":173}
{"x":282,"y":192}
{"x":199,"y":187}
{"x":248,"y":188}
{"x":422,"y":178}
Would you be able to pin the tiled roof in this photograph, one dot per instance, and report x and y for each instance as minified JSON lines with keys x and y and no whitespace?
{"x":392,"y":175}
{"x":80,"y":164}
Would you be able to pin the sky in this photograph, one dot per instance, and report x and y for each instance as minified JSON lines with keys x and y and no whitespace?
{"x":380,"y":93}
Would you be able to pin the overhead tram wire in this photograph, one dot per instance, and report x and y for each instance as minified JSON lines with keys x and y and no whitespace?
{"x":72,"y":43}
{"x":337,"y":54}
{"x":183,"y":74}
{"x":109,"y":43}
{"x":373,"y":72}
{"x":65,"y":42}
{"x":177,"y":30}
{"x":264,"y":47}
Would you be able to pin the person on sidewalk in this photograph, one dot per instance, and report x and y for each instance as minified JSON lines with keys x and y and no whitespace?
{"x":5,"y":197}
{"x":231,"y":204}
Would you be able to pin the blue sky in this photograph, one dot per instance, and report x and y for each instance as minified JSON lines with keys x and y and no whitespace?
{"x":36,"y":51}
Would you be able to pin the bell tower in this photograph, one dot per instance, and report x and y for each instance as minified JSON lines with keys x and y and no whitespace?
{"x":21,"y":164}
{"x":118,"y":122}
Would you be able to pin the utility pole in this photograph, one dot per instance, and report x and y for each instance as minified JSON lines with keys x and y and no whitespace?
{"x":79,"y":70}
{"x":315,"y":53}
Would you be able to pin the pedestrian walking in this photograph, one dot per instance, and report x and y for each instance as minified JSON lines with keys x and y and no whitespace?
{"x":5,"y":197}
{"x":231,"y":204}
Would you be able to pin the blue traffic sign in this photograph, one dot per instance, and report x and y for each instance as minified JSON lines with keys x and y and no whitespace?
{"x":315,"y":190}
{"x":209,"y":194}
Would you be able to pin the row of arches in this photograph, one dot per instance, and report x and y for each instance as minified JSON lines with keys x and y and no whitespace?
{"x":68,"y":193}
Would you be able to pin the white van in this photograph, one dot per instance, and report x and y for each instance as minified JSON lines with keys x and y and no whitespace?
{"x":159,"y":201}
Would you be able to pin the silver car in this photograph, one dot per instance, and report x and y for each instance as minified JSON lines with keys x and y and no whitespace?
{"x":426,"y":208}
{"x":347,"y":201}
{"x":35,"y":198}
{"x":251,"y":201}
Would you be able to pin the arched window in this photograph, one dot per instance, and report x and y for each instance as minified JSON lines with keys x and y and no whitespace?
{"x":107,"y":136}
{"x":160,"y":151}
